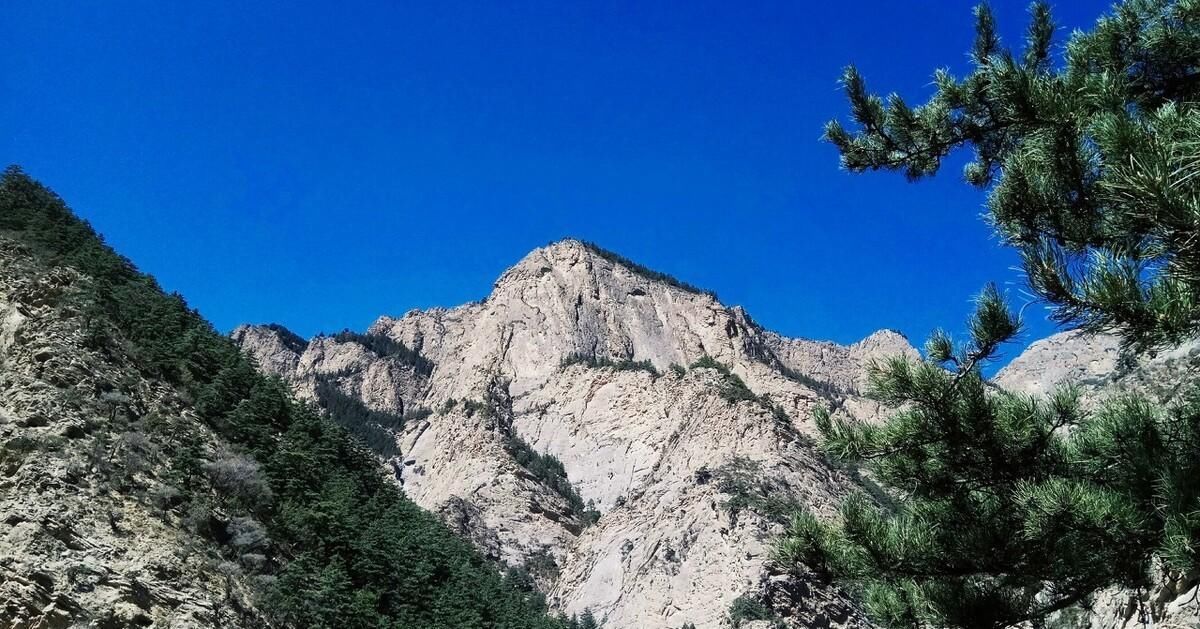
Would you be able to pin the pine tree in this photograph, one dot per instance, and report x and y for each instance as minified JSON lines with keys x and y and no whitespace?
{"x":1091,"y":165}
{"x":1009,"y":508}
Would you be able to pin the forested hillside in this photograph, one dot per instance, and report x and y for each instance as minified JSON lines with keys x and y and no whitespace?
{"x":299,"y":511}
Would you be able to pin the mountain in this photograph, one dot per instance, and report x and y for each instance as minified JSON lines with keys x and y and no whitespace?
{"x":586,"y":382}
{"x":84,"y":534}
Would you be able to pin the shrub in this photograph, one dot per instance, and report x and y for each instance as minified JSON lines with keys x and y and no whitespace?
{"x":748,"y":489}
{"x":733,"y":388}
{"x":595,"y":362}
{"x":471,"y":407}
{"x":239,"y":477}
{"x":541,"y":565}
{"x":166,"y":497}
{"x":247,"y":534}
{"x":198,"y":519}
{"x":254,"y":562}
{"x":746,"y":608}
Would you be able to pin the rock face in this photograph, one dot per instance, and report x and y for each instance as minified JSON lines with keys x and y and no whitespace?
{"x":1095,"y":364}
{"x":81,"y":540}
{"x":581,"y":355}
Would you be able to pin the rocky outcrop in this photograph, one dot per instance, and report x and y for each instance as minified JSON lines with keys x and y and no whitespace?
{"x":87,"y":536}
{"x":1097,"y":366}
{"x":584,"y":357}
{"x":843,"y":366}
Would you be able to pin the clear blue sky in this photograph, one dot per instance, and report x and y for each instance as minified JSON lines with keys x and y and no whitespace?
{"x":321,"y":165}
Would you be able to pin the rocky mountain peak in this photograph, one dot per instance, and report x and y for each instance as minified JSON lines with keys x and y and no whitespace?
{"x":588,"y":386}
{"x":580,"y":262}
{"x":614,"y":430}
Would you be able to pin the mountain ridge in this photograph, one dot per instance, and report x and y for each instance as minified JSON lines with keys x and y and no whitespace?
{"x":679,"y":418}
{"x":708,"y":394}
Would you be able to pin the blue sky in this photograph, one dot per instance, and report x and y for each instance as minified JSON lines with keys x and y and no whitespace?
{"x":321,"y":165}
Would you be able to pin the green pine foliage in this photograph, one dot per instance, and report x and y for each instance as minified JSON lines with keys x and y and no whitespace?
{"x":543,"y":467}
{"x":541,"y":564}
{"x":1091,"y":160}
{"x":549,"y":471}
{"x":748,"y":488}
{"x":746,"y":608}
{"x":376,"y":429}
{"x":587,"y":620}
{"x":827,"y":389}
{"x":733,"y":389}
{"x":290,"y":339}
{"x":334,"y":544}
{"x":1009,"y":507}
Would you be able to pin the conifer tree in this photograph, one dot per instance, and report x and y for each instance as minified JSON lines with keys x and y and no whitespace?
{"x":1009,"y":508}
{"x":1092,"y":165}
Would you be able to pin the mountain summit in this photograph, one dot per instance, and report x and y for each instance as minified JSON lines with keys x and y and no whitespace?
{"x":625,"y":440}
{"x":611,"y":429}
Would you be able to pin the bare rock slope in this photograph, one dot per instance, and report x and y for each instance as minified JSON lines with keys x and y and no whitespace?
{"x":85,"y":539}
{"x":673,"y":417}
